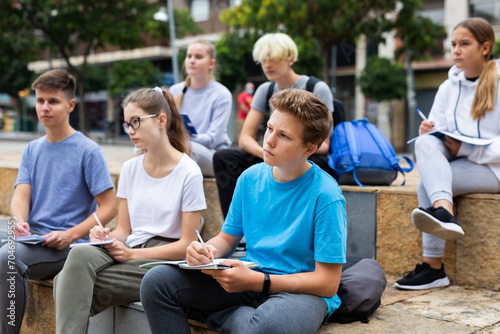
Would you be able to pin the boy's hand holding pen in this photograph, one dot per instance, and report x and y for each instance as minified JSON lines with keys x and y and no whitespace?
{"x":199,"y":253}
{"x":22,"y":229}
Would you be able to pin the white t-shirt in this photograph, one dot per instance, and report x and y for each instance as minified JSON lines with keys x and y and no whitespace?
{"x":155,"y":205}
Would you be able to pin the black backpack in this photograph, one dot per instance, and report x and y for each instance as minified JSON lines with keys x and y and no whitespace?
{"x":361,"y":287}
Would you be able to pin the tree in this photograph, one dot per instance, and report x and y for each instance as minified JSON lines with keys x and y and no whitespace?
{"x":420,"y":37}
{"x":326,"y":22}
{"x":383,"y":79}
{"x":70,"y":28}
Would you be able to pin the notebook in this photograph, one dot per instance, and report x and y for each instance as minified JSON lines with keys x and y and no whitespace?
{"x":30,"y":239}
{"x":91,"y":243}
{"x":216,"y":264}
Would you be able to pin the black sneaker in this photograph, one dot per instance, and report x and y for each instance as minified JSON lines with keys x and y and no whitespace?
{"x":423,"y":277}
{"x":438,"y":222}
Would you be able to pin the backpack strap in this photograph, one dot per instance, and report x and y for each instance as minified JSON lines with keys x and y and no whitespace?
{"x":311,"y":83}
{"x":389,"y":153}
{"x":270,"y":92}
{"x":354,"y":150}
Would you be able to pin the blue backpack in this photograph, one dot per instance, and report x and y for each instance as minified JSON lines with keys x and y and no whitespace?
{"x":360,"y":154}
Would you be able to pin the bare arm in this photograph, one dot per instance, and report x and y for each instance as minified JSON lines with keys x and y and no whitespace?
{"x":172,"y":251}
{"x":222,"y":245}
{"x":20,"y":207}
{"x":323,"y":281}
{"x":106,"y":211}
{"x":248,"y":134}
{"x":323,"y":149}
{"x":243,"y":106}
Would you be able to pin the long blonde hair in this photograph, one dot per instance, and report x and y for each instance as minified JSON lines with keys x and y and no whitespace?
{"x":211,"y":52}
{"x":484,"y":97}
{"x":153,"y":102}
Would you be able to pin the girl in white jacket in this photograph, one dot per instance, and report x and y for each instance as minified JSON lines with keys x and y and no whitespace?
{"x":465,"y":105}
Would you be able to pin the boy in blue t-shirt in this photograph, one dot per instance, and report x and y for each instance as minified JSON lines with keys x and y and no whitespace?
{"x":62,"y":181}
{"x":293,"y":217}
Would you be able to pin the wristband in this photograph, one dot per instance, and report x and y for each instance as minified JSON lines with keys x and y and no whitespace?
{"x":267,"y":283}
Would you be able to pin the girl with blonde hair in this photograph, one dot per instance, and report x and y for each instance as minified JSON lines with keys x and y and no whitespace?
{"x":465,"y":105}
{"x":205,"y":104}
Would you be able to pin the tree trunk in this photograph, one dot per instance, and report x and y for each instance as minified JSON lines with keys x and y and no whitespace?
{"x":81,"y":105}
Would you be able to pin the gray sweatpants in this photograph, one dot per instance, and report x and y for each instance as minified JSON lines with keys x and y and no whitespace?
{"x":442,"y":177}
{"x":204,"y":158}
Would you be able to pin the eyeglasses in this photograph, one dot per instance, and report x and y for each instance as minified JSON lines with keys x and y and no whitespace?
{"x":135,"y":122}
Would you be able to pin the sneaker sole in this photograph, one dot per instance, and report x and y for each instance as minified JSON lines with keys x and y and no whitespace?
{"x":439,"y":283}
{"x":428,"y":224}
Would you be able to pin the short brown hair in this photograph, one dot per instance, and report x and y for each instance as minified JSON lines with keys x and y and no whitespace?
{"x":308,"y":109}
{"x":56,"y":80}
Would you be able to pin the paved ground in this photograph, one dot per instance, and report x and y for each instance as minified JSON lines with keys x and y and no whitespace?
{"x":448,"y":310}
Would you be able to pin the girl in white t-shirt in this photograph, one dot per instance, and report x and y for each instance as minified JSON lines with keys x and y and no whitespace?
{"x":161,"y":195}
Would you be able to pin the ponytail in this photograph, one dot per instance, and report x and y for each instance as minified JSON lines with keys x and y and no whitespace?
{"x":486,"y":89}
{"x":158,"y":100}
{"x":484,"y":98}
{"x":178,"y":100}
{"x":177,"y":134}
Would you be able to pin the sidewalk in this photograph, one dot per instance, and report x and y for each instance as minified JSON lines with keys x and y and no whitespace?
{"x":448,"y":310}
{"x":452,"y":309}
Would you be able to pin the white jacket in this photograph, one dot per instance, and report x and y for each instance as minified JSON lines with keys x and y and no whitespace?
{"x":451,"y":112}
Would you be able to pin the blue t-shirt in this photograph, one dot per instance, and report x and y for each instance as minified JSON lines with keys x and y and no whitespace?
{"x":289,"y":225}
{"x":64,"y":177}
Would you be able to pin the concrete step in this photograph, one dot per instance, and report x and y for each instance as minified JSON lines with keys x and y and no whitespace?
{"x":453,"y":309}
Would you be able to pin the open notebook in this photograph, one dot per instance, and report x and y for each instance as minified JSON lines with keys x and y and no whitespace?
{"x":216,"y":264}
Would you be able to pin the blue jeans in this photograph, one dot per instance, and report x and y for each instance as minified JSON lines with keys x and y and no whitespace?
{"x":170,"y":295}
{"x":30,"y":262}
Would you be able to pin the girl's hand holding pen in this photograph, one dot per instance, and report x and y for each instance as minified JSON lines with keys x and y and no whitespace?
{"x":426,"y":127}
{"x":98,"y":234}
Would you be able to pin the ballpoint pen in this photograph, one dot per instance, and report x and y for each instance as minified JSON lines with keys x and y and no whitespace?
{"x":203,"y":244}
{"x":17,"y":221}
{"x":99,"y":222}
{"x":421,"y":114}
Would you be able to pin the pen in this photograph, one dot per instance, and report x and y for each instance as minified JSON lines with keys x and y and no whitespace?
{"x":421,"y":114}
{"x":17,"y":221}
{"x":203,"y":243}
{"x":99,"y":222}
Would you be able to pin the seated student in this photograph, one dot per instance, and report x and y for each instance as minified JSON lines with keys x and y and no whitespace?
{"x":61,"y":178}
{"x":207,"y":103}
{"x":276,"y":53}
{"x":466,"y":104}
{"x":293,"y":216}
{"x":161,"y":195}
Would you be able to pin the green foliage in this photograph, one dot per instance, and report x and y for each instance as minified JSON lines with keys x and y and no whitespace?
{"x":14,"y":76}
{"x":96,"y":78}
{"x":496,"y":50}
{"x":231,"y":51}
{"x":127,"y":75}
{"x":417,"y":33}
{"x":184,"y":24}
{"x":310,"y":59}
{"x":382,"y":79}
{"x":330,"y":22}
